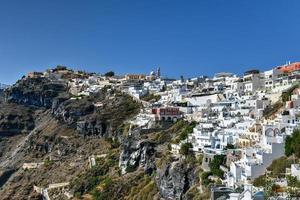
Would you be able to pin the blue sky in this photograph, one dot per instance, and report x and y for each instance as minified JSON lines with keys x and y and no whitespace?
{"x":187,"y":38}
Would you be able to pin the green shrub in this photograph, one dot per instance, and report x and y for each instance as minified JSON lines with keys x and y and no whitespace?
{"x":183,"y":135}
{"x":215,"y":164}
{"x":151,"y":97}
{"x":293,"y":181}
{"x":292,"y":144}
{"x":185,"y":129}
{"x":87,"y":181}
{"x":286,"y":96}
{"x":185,"y":148}
{"x":205,"y":180}
{"x":48,"y":162}
{"x":130,"y":168}
{"x":279,"y":166}
{"x":109,"y":74}
{"x":272,"y":109}
{"x":259,"y":181}
{"x":230,"y":146}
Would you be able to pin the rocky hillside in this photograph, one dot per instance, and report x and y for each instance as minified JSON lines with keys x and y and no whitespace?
{"x":93,"y":115}
{"x":15,"y":119}
{"x":2,"y":88}
{"x":40,"y":91}
{"x":48,"y":136}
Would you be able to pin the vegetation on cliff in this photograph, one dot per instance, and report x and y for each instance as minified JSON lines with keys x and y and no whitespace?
{"x":151,"y":97}
{"x":286,"y":96}
{"x":292,"y":144}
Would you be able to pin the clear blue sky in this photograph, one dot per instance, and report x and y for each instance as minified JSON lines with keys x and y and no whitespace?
{"x":187,"y":38}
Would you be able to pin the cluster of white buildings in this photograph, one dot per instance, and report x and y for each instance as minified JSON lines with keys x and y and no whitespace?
{"x":231,"y":111}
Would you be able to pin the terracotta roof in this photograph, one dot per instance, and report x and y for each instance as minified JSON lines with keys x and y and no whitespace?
{"x":290,"y":68}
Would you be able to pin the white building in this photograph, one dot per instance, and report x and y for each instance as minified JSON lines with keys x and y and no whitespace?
{"x":255,"y":160}
{"x":252,"y":81}
{"x":137,"y":92}
{"x":295,"y":170}
{"x":270,"y":78}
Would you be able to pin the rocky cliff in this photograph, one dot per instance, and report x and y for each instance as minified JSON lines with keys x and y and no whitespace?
{"x":172,"y":176}
{"x":39,"y":123}
{"x":38,"y":91}
{"x":93,"y":115}
{"x":175,"y":179}
{"x":137,"y":154}
{"x":15,"y":119}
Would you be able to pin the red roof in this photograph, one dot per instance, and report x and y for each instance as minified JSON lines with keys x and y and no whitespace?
{"x":290,"y":68}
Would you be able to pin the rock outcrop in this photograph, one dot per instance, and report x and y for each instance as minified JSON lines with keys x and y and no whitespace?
{"x":15,"y":119}
{"x":38,"y":92}
{"x":174,"y":179}
{"x":101,"y":114}
{"x":137,"y":154}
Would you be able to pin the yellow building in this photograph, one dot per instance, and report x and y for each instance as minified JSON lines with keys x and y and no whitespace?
{"x":248,"y":139}
{"x":135,"y":77}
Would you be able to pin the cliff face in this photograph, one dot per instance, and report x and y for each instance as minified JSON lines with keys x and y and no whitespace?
{"x":88,"y":115}
{"x":100,"y":114}
{"x":172,"y":176}
{"x":39,"y":123}
{"x":175,"y":179}
{"x":15,"y":119}
{"x":2,"y":88}
{"x":137,"y":154}
{"x":1,"y":95}
{"x":61,"y":150}
{"x":38,"y":92}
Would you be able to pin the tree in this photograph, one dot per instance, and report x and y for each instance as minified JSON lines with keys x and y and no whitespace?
{"x":205,"y":178}
{"x":109,"y":74}
{"x":279,"y":166}
{"x":230,"y":146}
{"x":61,"y":67}
{"x":286,"y":96}
{"x":183,"y":135}
{"x":187,"y":130}
{"x":292,"y":144}
{"x":292,"y":181}
{"x":151,"y":97}
{"x":288,"y":146}
{"x":260,"y":181}
{"x":215,"y":165}
{"x":293,"y":184}
{"x":130,"y":168}
{"x":185,"y":148}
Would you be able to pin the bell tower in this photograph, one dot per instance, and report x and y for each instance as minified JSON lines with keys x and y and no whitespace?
{"x":158,"y":72}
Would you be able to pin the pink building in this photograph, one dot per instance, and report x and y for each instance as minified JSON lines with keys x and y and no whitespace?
{"x":167,"y":114}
